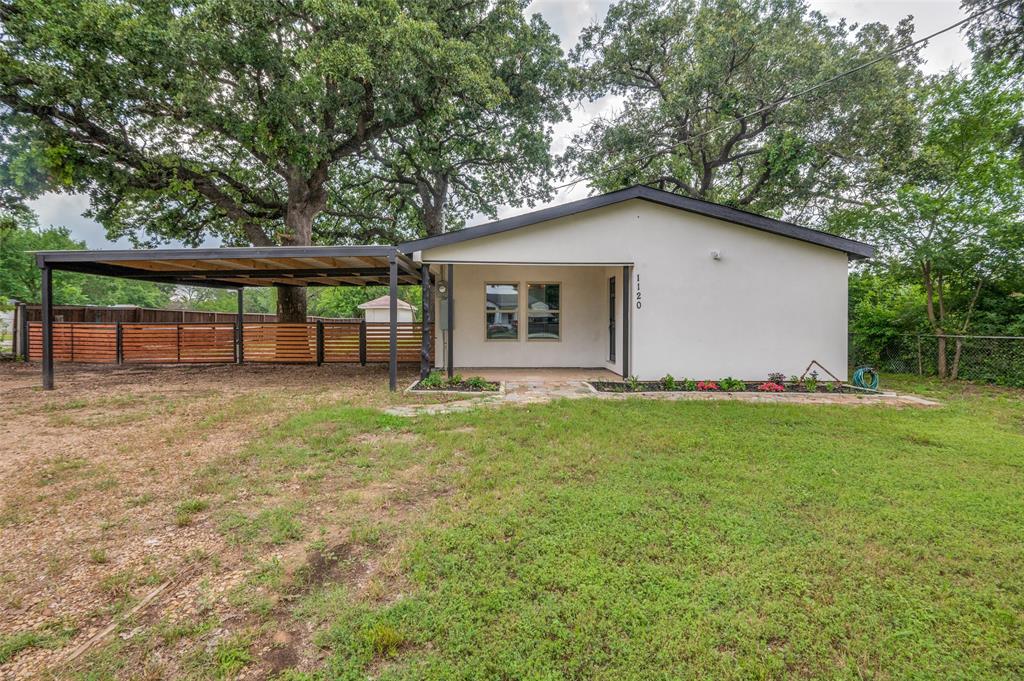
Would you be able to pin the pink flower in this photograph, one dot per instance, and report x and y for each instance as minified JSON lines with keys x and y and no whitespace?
{"x":770,"y":387}
{"x":707,"y":385}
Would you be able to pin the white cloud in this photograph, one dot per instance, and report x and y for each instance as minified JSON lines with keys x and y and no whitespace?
{"x":567,"y":18}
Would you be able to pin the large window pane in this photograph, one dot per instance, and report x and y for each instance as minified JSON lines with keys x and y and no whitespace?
{"x":544,"y":312}
{"x":502,"y":311}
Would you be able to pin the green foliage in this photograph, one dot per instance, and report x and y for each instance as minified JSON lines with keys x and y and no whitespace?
{"x":633,"y":384}
{"x":950,"y":222}
{"x":344,"y":301}
{"x":688,"y":384}
{"x":275,"y":525}
{"x":53,"y":635}
{"x":690,"y":71}
{"x":188,"y":509}
{"x":479,"y":383}
{"x":730,"y":384}
{"x":434,"y":380}
{"x":384,"y":639}
{"x":811,"y":382}
{"x":668,"y":382}
{"x":226,"y":117}
{"x":20,"y":279}
{"x":473,"y":157}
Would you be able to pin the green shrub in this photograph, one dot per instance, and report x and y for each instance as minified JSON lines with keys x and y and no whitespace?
{"x":456,"y":379}
{"x":435,"y":379}
{"x":479,"y":383}
{"x":668,"y":382}
{"x":688,"y":384}
{"x":633,"y":384}
{"x":730,"y":384}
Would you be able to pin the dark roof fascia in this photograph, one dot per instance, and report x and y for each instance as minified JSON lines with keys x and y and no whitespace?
{"x":54,"y":258}
{"x":854,"y":249}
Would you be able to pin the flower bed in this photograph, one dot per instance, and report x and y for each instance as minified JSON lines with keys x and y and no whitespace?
{"x":774,"y":385}
{"x":436,"y":382}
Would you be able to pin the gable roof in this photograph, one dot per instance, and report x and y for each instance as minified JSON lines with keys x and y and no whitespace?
{"x":384,"y":302}
{"x":854,"y":249}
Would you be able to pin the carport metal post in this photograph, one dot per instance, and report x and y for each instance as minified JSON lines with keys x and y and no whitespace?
{"x":450,"y":361}
{"x":47,"y":295}
{"x":239,"y":324}
{"x":426,"y":318}
{"x":393,"y":310}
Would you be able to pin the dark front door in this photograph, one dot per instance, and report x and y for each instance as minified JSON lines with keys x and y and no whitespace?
{"x":611,"y":319}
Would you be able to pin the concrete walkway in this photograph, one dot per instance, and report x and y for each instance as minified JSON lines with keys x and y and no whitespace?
{"x":534,"y":387}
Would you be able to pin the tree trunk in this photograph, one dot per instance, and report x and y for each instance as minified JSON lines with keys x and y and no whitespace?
{"x":937,"y":321}
{"x":304,"y":204}
{"x":291,"y":304}
{"x":942,"y":354}
{"x":955,"y":372}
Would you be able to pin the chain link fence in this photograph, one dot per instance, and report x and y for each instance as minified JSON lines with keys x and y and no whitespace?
{"x":992,"y":359}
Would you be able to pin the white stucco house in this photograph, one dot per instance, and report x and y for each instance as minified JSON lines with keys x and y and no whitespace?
{"x":643,"y":283}
{"x":379,"y":310}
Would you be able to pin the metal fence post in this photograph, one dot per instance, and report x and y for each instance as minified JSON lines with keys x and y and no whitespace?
{"x":24,"y":331}
{"x":319,"y":342}
{"x":362,"y":342}
{"x":119,"y":343}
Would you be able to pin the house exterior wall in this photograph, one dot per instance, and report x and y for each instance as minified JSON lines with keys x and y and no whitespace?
{"x":373,"y":314}
{"x":770,"y":303}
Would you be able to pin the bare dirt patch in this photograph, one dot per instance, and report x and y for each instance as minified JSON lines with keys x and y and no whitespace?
{"x":102,"y":503}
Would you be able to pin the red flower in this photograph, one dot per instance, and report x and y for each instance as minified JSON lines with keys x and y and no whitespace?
{"x":707,"y":385}
{"x":770,"y":387}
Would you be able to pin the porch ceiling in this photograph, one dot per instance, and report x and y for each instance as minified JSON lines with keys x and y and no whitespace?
{"x":235,"y":267}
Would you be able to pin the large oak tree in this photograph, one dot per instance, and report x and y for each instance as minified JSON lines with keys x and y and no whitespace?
{"x":189,"y":118}
{"x":430,"y":177}
{"x":687,"y":73}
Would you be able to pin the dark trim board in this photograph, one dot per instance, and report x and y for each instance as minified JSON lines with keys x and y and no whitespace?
{"x":853,"y":249}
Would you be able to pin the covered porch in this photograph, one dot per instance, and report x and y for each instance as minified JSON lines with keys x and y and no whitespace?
{"x":538,"y":319}
{"x":239,"y":268}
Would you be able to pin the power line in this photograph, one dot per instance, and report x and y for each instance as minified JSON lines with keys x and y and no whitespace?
{"x":789,"y":98}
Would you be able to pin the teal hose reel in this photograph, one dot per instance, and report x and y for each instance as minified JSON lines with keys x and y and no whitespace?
{"x":866,"y":377}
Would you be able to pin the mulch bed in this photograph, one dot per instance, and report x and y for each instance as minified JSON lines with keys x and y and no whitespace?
{"x":751,"y":387}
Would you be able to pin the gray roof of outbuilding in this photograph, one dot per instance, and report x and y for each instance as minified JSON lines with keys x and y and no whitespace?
{"x":854,"y":249}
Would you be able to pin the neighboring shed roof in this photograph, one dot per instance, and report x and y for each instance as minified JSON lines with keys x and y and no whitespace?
{"x":384,"y":303}
{"x":854,"y":249}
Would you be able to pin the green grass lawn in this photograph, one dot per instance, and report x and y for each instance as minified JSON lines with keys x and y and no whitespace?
{"x":634,"y":539}
{"x":662,"y":540}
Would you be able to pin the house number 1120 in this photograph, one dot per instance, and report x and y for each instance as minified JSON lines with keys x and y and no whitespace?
{"x":639,"y":298}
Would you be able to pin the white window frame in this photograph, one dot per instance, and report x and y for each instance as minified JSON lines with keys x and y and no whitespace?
{"x":526,"y":301}
{"x":518,"y":310}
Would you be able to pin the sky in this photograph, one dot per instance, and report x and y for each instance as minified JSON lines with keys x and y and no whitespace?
{"x":567,"y":18}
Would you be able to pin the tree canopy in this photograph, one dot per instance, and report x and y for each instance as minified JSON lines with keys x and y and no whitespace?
{"x":227,"y":117}
{"x":952,"y":218}
{"x":689,"y":74}
{"x":432,"y":176}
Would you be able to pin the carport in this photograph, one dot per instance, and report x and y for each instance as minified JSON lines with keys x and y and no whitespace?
{"x":239,"y":268}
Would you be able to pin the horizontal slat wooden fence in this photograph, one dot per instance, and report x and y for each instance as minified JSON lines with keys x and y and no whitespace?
{"x":160,"y":343}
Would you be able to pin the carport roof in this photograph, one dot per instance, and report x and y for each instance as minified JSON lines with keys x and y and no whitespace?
{"x":235,"y":267}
